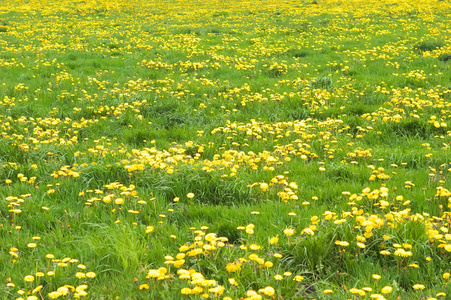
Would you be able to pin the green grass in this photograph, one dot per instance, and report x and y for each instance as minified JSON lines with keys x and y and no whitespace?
{"x":341,"y":107}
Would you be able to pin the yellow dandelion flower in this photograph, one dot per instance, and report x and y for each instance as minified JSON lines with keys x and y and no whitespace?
{"x":418,"y":287}
{"x":289,"y":231}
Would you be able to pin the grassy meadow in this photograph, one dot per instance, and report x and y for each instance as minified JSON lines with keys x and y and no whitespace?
{"x":210,"y":149}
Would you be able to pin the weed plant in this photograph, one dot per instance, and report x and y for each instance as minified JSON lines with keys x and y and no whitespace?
{"x":225,"y":149}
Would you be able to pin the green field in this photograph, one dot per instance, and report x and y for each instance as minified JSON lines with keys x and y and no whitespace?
{"x":194,"y":149}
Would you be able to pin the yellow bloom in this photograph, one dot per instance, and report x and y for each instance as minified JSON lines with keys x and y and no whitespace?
{"x":232,"y":281}
{"x":386,"y":290}
{"x":190,"y":195}
{"x":419,"y":287}
{"x":357,"y":291}
{"x":144,"y":286}
{"x":218,"y":290}
{"x":233,"y":267}
{"x":342,"y":243}
{"x":268,"y":291}
{"x":63,"y":290}
{"x":54,"y":295}
{"x":289,"y":231}
{"x":29,"y":278}
{"x":81,"y":287}
{"x":36,"y":289}
{"x":298,"y":278}
{"x":255,"y":247}
{"x":268,"y":264}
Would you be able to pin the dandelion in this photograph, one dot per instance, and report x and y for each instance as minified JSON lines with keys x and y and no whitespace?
{"x":342,"y":243}
{"x":63,"y":290}
{"x":233,"y":282}
{"x":233,"y":267}
{"x":289,"y":231}
{"x":268,"y":264}
{"x":54,"y":295}
{"x":255,"y":247}
{"x":419,"y":287}
{"x":267,"y":291}
{"x":274,"y":240}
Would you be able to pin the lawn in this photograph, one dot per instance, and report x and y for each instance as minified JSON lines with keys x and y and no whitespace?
{"x":194,"y":149}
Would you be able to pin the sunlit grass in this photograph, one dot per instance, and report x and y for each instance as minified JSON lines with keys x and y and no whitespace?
{"x":225,"y":150}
